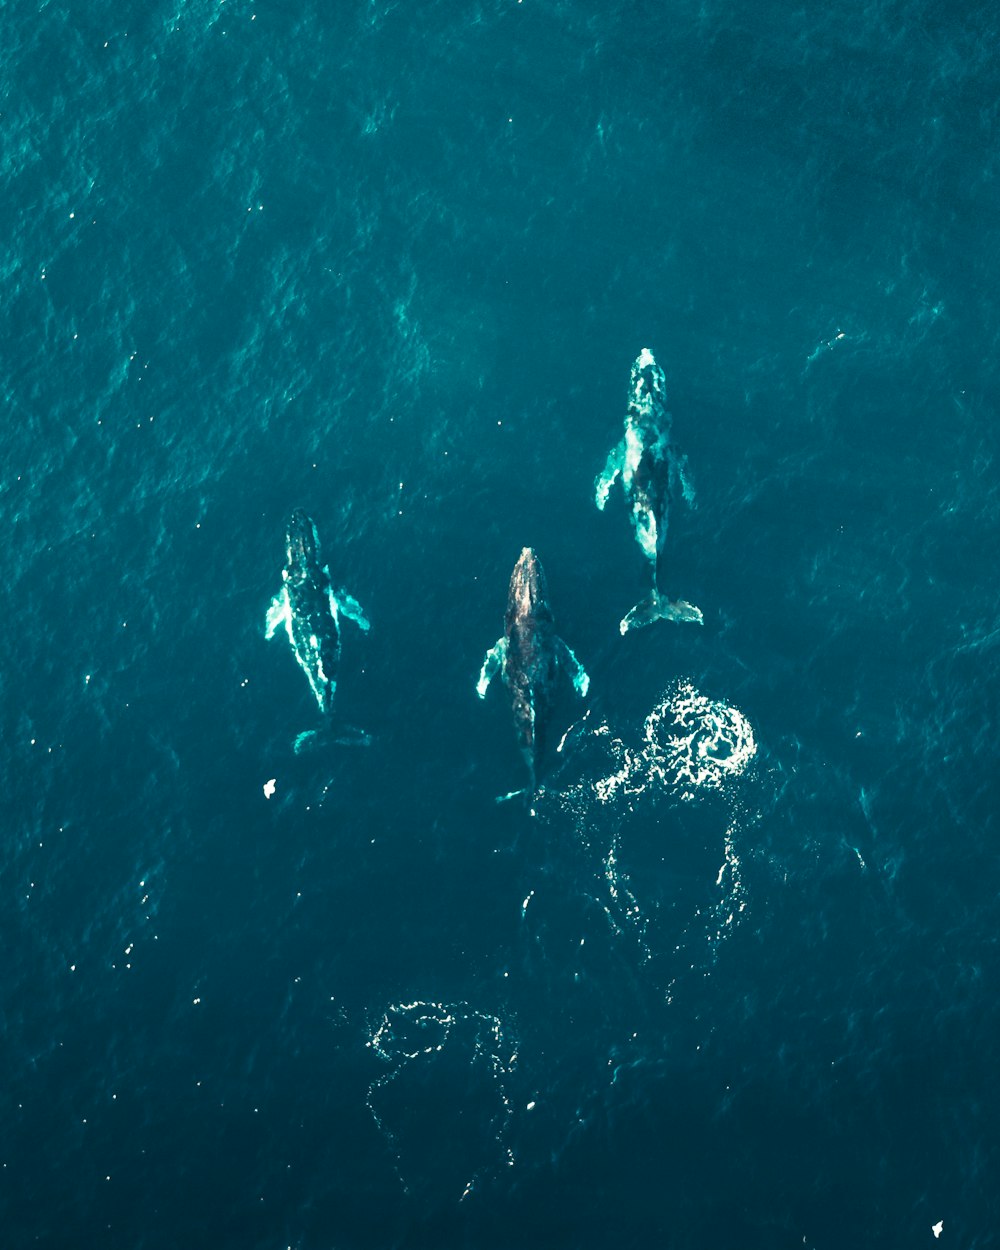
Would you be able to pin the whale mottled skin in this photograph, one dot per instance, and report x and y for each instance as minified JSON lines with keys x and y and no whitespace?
{"x":653,"y":474}
{"x":310,"y":610}
{"x":530,"y":657}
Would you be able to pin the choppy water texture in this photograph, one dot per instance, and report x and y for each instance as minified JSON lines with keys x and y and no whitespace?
{"x":730,"y":979}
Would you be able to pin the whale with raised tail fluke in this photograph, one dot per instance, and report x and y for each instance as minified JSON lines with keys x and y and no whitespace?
{"x":653,"y":473}
{"x":310,"y":611}
{"x":529,"y":656}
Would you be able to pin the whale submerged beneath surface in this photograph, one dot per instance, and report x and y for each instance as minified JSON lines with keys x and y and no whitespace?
{"x":653,"y":473}
{"x":310,"y":610}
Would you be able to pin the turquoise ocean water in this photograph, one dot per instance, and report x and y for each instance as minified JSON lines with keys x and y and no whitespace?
{"x":732,"y":982}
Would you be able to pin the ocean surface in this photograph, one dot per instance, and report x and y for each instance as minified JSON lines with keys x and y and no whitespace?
{"x":732,"y":977}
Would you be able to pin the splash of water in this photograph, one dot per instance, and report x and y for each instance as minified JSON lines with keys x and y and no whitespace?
{"x":691,"y":746}
{"x":690,"y":743}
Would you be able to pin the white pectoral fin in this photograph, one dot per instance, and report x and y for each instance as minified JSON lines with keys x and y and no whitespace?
{"x":577,"y":673}
{"x":277,"y":613}
{"x":348,"y":606}
{"x":491,"y":666}
{"x":607,"y":479}
{"x":683,"y":479}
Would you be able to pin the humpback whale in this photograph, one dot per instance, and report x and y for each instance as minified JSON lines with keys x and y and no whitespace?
{"x":310,"y":610}
{"x":529,"y":657}
{"x":653,"y":473}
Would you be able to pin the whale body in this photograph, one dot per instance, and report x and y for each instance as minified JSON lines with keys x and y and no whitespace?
{"x":530,"y":656}
{"x":310,"y":610}
{"x":653,"y":474}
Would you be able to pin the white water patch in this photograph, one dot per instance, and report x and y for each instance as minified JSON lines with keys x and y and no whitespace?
{"x":444,"y":1062}
{"x":623,"y":910}
{"x":692,"y":748}
{"x":690,"y":743}
{"x":695,"y":743}
{"x":733,"y":899}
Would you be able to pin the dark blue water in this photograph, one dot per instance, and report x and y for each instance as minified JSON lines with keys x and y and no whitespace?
{"x":734,"y":982}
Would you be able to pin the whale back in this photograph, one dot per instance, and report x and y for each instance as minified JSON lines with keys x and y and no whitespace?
{"x":313,"y":624}
{"x":648,"y":455}
{"x":530,"y":668}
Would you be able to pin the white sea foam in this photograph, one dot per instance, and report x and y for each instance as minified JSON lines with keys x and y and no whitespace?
{"x":695,"y":743}
{"x":691,"y":746}
{"x":408,"y":1039}
{"x":690,"y":743}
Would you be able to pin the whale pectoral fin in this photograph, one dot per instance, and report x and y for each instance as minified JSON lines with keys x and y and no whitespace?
{"x":680,"y":478}
{"x":278,"y":612}
{"x":348,"y":606}
{"x":577,"y":673}
{"x":346,"y":736}
{"x":494,"y":660}
{"x":607,"y":479}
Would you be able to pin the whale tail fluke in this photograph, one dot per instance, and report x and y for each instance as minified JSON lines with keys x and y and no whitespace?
{"x":658,"y":607}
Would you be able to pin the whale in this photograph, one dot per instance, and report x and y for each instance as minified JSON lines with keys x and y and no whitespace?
{"x":530,"y":657}
{"x":310,"y":610}
{"x":654,"y":476}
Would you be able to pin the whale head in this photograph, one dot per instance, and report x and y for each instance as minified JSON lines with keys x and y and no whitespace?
{"x":302,"y":543}
{"x":528,"y":591}
{"x":648,"y":389}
